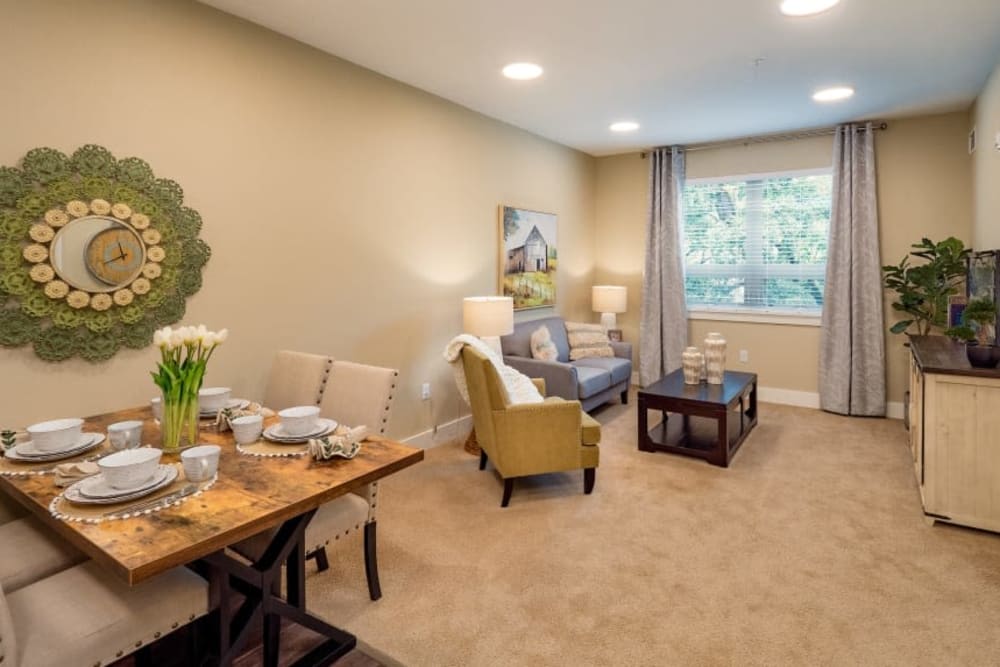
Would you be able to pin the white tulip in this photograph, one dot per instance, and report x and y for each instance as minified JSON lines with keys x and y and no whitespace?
{"x":158,"y":339}
{"x":176,"y":339}
{"x":200,"y":334}
{"x":221,"y":336}
{"x":209,"y":341}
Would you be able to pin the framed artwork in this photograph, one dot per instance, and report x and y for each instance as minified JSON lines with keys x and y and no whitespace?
{"x":615,"y":335}
{"x":956,"y":306}
{"x":528,"y":257}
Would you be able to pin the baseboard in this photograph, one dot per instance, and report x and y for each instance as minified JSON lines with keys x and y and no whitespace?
{"x":810,"y":399}
{"x":447,"y":432}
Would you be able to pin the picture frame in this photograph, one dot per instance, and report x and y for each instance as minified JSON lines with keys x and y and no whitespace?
{"x":615,"y":335}
{"x":956,"y":306}
{"x":528,"y":257}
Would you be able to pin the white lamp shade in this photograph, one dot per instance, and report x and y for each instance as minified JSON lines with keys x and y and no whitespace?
{"x":488,"y":315}
{"x":609,"y":298}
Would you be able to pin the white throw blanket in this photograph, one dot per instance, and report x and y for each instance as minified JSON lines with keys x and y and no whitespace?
{"x":518,"y":386}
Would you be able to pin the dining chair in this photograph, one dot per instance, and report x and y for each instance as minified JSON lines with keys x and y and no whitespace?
{"x":29,"y":552}
{"x":355,"y":395}
{"x":296,"y":378}
{"x":10,"y":509}
{"x":85,"y":616}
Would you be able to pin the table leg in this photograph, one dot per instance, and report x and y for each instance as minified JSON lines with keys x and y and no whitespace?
{"x":721,"y":457}
{"x":643,"y":434}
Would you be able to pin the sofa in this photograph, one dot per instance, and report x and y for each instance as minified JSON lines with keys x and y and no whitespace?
{"x":592,"y":381}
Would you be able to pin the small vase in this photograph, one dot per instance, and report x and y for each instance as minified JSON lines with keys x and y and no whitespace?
{"x":693,"y":362}
{"x":715,"y":357}
{"x":179,"y":424}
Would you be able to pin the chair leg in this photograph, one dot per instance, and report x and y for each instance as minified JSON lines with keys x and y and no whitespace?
{"x":508,"y":488}
{"x":483,"y":459}
{"x":322,"y":563}
{"x":589,"y":476}
{"x":371,"y":562}
{"x":625,"y":397}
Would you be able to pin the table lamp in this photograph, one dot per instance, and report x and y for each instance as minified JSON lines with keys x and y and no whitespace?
{"x":608,"y":300}
{"x":488,"y":317}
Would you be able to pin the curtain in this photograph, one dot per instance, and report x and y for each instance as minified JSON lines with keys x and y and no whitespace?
{"x":852,"y":343}
{"x":663,"y":328}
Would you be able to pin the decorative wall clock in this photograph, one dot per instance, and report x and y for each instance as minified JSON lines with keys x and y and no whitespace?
{"x":95,"y":253}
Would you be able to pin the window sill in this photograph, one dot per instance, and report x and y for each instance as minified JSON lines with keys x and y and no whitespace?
{"x":789,"y":318}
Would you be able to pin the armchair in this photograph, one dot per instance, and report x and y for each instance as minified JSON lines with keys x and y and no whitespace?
{"x":528,"y":439}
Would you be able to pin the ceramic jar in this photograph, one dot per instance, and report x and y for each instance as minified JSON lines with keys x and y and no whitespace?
{"x":693,"y":361}
{"x":715,"y":357}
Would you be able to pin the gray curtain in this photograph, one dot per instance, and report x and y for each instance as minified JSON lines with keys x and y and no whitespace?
{"x":663,"y":329}
{"x":852,"y":342}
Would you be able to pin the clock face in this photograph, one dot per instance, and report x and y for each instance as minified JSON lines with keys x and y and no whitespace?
{"x":115,"y":256}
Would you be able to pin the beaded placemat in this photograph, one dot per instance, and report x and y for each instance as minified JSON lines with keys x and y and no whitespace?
{"x":63,"y":509}
{"x":264,"y":449}
{"x":11,"y":468}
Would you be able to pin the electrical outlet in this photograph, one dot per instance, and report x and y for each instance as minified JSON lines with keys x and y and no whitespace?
{"x":425,"y":391}
{"x":744,"y":356}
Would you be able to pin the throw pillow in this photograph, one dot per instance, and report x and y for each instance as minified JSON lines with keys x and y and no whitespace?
{"x":588,"y":340}
{"x":542,"y":346}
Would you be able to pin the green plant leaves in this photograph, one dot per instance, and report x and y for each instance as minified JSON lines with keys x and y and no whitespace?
{"x":923,"y":289}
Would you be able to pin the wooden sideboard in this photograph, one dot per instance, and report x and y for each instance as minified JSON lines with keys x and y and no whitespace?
{"x":955,"y":433}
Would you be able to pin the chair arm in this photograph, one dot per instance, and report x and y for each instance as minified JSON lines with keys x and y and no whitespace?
{"x":538,"y":437}
{"x":622,"y":350}
{"x":560,"y":379}
{"x":539,"y":385}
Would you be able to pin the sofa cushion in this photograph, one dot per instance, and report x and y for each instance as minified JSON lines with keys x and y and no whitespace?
{"x":620,"y":369}
{"x":587,"y":340}
{"x":518,"y":343}
{"x":592,"y":380}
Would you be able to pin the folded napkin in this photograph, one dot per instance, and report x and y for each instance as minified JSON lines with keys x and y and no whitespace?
{"x":68,"y":473}
{"x":344,"y":442}
{"x":226,"y":414}
{"x":9,"y":439}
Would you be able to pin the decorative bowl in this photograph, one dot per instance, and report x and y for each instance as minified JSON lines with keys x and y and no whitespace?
{"x":299,"y":420}
{"x":51,"y":436}
{"x":213,"y":399}
{"x":130,"y":468}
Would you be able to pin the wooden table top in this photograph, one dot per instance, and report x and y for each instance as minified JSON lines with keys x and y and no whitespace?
{"x":940,"y":354}
{"x":734,"y":384}
{"x":251,"y":495}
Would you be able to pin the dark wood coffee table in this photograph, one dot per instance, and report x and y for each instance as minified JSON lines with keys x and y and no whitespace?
{"x":733,"y":404}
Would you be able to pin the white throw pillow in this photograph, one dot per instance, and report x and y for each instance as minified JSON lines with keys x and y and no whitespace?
{"x":542,"y":346}
{"x":588,"y":340}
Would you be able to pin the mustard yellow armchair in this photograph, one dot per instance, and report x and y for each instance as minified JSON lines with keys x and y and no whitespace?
{"x":531,"y":439}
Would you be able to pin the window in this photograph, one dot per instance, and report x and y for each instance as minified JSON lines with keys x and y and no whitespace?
{"x":757,"y":243}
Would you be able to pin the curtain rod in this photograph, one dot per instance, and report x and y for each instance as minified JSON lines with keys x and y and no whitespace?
{"x":768,"y":138}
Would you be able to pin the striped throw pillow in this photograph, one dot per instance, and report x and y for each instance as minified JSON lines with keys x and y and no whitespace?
{"x":587,"y":340}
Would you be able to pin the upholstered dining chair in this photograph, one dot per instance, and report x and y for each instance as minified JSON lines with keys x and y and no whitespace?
{"x":10,"y":509}
{"x":84,"y":616}
{"x":30,"y":552}
{"x":296,"y":378}
{"x":528,"y":439}
{"x":355,"y":395}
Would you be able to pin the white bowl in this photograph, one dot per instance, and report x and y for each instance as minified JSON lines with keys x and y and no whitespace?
{"x":213,"y":399}
{"x":247,"y":429}
{"x":299,"y":420}
{"x":130,"y":468}
{"x":51,"y":436}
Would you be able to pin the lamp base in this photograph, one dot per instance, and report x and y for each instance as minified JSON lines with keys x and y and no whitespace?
{"x":493,"y":342}
{"x":609,"y":321}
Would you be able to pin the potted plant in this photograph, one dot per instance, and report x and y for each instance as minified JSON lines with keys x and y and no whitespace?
{"x":978,"y":320}
{"x":923,"y":289}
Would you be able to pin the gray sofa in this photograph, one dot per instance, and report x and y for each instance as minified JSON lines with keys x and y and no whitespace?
{"x":591,"y":381}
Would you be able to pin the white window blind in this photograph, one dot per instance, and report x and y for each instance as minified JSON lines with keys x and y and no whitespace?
{"x":757,"y":242}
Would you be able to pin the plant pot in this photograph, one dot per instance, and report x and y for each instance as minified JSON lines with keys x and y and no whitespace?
{"x":982,"y":356}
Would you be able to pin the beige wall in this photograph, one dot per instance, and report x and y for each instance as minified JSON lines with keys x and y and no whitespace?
{"x":924,"y":190}
{"x":347,"y":213}
{"x":986,"y":165}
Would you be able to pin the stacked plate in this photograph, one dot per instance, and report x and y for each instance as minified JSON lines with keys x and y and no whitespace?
{"x":231,"y":404}
{"x":96,"y":491}
{"x":277,"y":434}
{"x":26,"y":452}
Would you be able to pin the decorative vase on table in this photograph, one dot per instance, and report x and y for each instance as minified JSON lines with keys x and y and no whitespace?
{"x":715,"y":357}
{"x":693,"y":363}
{"x":184,"y":356}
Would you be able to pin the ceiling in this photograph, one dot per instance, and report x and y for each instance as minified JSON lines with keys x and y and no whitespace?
{"x":686,"y":71}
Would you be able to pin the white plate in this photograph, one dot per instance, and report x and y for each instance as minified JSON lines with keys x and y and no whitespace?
{"x":324,"y":427}
{"x":231,"y":404}
{"x":73,"y":494}
{"x":26,"y":452}
{"x":98,"y":487}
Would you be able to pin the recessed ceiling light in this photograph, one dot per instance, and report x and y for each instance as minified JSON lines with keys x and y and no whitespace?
{"x":806,"y":7}
{"x":522,"y":71}
{"x":624,"y":126}
{"x":833,"y":94}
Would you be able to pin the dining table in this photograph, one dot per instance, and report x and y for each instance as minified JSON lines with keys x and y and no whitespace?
{"x":273,"y":496}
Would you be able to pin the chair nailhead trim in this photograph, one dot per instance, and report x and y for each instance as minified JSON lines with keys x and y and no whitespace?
{"x":137,"y":644}
{"x":119,"y":654}
{"x":174,"y":626}
{"x":156,"y":635}
{"x":191,"y":617}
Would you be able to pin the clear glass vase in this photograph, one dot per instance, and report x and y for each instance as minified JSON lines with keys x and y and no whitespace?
{"x":179,"y":425}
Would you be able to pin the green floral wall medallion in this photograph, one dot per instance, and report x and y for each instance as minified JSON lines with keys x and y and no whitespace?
{"x":95,"y":253}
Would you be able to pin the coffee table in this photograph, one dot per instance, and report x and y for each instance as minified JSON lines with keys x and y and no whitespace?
{"x":733,"y":404}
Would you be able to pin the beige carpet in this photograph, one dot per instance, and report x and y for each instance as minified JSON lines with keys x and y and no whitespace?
{"x":810,"y":549}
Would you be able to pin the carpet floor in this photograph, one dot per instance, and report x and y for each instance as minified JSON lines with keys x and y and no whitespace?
{"x":810,"y":549}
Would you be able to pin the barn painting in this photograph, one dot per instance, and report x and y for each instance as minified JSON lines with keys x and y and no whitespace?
{"x":528,"y":257}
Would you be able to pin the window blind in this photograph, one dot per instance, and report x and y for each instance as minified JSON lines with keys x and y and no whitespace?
{"x":757,"y":242}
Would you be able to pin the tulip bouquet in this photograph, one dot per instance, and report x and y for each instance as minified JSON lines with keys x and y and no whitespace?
{"x":184,"y":354}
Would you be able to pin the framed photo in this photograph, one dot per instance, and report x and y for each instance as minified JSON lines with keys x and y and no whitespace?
{"x":956,"y":306}
{"x":615,"y":335}
{"x":528,"y":257}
